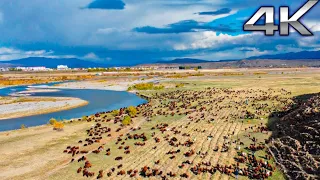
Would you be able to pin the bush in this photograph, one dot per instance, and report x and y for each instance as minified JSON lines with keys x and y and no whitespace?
{"x":179,"y":85}
{"x":58,"y":126}
{"x":97,"y":69}
{"x":126,"y":120}
{"x":260,"y":73}
{"x":146,"y":86}
{"x":64,"y":78}
{"x":84,"y":118}
{"x":115,"y":112}
{"x":198,"y":74}
{"x":52,"y":121}
{"x":143,"y":86}
{"x":22,"y":126}
{"x":132,"y":111}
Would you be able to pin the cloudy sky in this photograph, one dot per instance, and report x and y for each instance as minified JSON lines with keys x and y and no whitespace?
{"x":135,"y":31}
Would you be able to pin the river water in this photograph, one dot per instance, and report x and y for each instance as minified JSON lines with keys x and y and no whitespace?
{"x":99,"y":101}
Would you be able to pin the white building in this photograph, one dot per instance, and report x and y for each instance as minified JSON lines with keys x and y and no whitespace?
{"x":62,"y":67}
{"x":40,"y":68}
{"x":3,"y":69}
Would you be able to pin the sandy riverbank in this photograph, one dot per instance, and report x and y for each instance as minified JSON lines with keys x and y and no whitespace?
{"x":113,"y":85}
{"x":30,"y":91}
{"x":28,"y":106}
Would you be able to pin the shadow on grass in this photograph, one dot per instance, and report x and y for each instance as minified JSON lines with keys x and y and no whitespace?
{"x":274,"y":117}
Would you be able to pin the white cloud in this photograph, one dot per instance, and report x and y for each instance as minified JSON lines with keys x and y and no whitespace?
{"x":91,"y":56}
{"x":315,"y":28}
{"x":256,"y":52}
{"x":208,"y":39}
{"x":159,"y":13}
{"x":1,"y":17}
{"x":38,"y":52}
{"x":94,"y":57}
{"x":13,"y":53}
{"x":5,"y":50}
{"x":309,"y":41}
{"x":108,"y":30}
{"x":60,"y":56}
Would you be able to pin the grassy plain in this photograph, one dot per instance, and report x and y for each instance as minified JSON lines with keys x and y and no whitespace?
{"x":40,"y":153}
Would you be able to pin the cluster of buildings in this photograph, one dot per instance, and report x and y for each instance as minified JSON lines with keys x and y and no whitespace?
{"x":36,"y":68}
{"x":40,"y":68}
{"x":155,"y":67}
{"x":65,"y":67}
{"x":3,"y":69}
{"x":62,"y":67}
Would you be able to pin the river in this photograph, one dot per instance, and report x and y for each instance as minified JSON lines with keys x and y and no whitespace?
{"x":99,"y":101}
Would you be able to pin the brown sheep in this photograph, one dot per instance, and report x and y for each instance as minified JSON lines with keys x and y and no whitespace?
{"x":118,"y":158}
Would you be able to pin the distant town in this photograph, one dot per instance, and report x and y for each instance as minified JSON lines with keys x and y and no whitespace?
{"x":97,"y":69}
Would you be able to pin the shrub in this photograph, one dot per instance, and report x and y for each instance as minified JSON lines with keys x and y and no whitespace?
{"x":84,"y":118}
{"x":97,"y":69}
{"x":232,"y":74}
{"x":64,"y":78}
{"x":159,"y":87}
{"x":132,"y":111}
{"x":115,"y":112}
{"x":146,"y":86}
{"x":143,"y":86}
{"x":52,"y":121}
{"x":58,"y":126}
{"x":126,"y":120}
{"x":179,"y":85}
{"x":260,"y":73}
{"x":198,"y":74}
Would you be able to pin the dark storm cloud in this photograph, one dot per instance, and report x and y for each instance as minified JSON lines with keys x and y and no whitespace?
{"x":215,"y":13}
{"x":106,"y":4}
{"x":245,"y":50}
{"x":184,"y":27}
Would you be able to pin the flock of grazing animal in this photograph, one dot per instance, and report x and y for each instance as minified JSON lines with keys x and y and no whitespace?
{"x":296,"y":145}
{"x":184,"y":133}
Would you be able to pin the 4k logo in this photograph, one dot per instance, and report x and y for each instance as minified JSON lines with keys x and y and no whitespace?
{"x":269,"y":28}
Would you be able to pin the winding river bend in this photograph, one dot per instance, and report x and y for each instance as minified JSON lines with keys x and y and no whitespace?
{"x":99,"y":101}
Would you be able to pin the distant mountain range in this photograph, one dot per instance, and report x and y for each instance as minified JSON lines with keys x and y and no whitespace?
{"x":299,"y":58}
{"x":183,"y":61}
{"x":308,"y":55}
{"x":290,"y":56}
